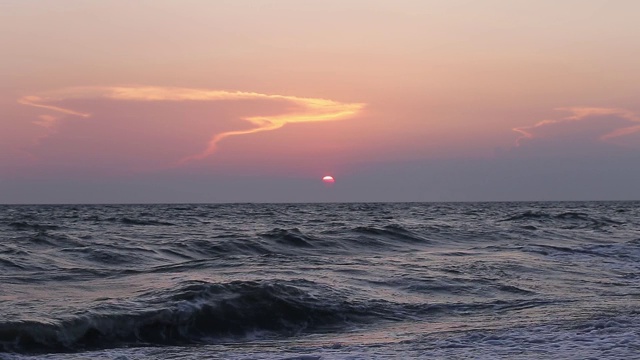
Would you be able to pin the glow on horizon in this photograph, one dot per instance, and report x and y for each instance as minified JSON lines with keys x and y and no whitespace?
{"x":310,"y":109}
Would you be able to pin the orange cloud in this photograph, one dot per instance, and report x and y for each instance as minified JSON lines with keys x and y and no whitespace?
{"x":612,"y":123}
{"x":302,"y":109}
{"x":40,"y":102}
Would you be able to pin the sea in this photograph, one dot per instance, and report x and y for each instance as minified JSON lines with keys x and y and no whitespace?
{"x":514,"y":280}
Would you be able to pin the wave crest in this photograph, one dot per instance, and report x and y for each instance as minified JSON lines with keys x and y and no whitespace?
{"x":194,"y":313}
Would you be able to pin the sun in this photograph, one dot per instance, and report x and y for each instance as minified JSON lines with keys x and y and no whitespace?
{"x":328,"y":179}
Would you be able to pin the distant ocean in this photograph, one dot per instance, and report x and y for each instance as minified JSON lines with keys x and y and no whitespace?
{"x":551,"y":280}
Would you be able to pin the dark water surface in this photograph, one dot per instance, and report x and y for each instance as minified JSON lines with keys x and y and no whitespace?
{"x":321,"y":281}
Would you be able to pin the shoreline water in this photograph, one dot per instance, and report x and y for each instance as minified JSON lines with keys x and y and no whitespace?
{"x":325,"y":281}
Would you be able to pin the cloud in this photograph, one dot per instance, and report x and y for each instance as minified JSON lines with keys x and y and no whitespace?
{"x":582,"y":125}
{"x":41,"y":102}
{"x":300,"y":110}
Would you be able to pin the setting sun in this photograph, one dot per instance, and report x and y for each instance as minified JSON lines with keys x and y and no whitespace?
{"x":328,"y":179}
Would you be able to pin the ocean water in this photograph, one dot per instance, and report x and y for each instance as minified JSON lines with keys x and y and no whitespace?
{"x":321,"y":281}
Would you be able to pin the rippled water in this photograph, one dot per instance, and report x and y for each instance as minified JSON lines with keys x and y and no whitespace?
{"x":321,"y":281}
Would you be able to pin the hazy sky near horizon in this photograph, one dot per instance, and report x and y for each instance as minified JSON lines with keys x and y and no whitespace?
{"x":409,"y":100}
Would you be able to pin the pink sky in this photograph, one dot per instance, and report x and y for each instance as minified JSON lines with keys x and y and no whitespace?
{"x":285,"y":92}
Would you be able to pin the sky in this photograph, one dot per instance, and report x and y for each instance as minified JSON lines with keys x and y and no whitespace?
{"x":158,"y":101}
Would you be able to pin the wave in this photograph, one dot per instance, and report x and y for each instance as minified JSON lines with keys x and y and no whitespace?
{"x":390,"y":232}
{"x":23,"y":225}
{"x":634,"y":242}
{"x":126,"y":220}
{"x":209,"y":313}
{"x":196,"y":313}
{"x":362,"y":238}
{"x":528,"y":215}
{"x":8,"y":263}
{"x":568,"y":219}
{"x":133,"y":221}
{"x":293,"y":237}
{"x":627,"y":251}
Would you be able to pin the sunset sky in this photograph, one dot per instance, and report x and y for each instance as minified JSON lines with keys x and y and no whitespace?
{"x":256,"y":101}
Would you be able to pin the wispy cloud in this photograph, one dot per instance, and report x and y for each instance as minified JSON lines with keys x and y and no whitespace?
{"x":611,"y":123}
{"x":41,"y":102}
{"x":303,"y":109}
